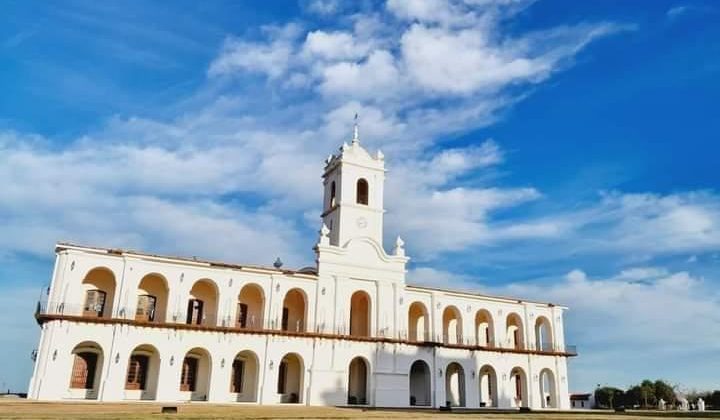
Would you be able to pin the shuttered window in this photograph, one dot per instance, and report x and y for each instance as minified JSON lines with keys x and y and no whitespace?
{"x":238,"y":372}
{"x":242,"y":315}
{"x":83,"y":371}
{"x":195,"y":311}
{"x":94,"y":303}
{"x":137,"y":372}
{"x":146,"y":305}
{"x":189,"y":374}
{"x":282,"y":377}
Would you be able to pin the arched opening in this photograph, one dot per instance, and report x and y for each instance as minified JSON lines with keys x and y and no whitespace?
{"x":452,"y":326}
{"x":290,"y":379}
{"x":293,"y":314}
{"x":484,"y":330}
{"x":195,"y":375}
{"x":360,"y":314}
{"x":454,"y":385}
{"x":251,"y":306}
{"x":152,"y":299}
{"x":518,"y":382}
{"x":362,"y":193}
{"x":515,"y":333}
{"x":418,"y":325}
{"x":333,"y":194}
{"x":357,"y":381}
{"x":98,"y":293}
{"x":141,"y":380}
{"x":202,"y":304}
{"x":543,"y":334}
{"x":86,"y":370}
{"x":244,"y":377}
{"x":547,"y":389}
{"x":488,"y":387}
{"x":420,"y":384}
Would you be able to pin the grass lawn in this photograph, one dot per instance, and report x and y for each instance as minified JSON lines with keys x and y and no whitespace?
{"x":21,"y":409}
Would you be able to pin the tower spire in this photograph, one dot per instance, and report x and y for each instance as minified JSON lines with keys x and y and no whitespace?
{"x":356,"y":131}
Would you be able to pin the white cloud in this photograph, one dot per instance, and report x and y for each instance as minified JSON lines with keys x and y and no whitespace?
{"x":271,"y":58}
{"x":337,"y":45}
{"x":377,"y":77}
{"x":323,"y":7}
{"x":640,"y":325}
{"x":676,"y":11}
{"x":240,"y":151}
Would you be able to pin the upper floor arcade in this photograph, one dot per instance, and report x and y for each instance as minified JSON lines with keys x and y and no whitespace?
{"x":112,"y":285}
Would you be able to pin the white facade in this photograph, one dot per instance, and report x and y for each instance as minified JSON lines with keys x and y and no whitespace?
{"x":121,"y":325}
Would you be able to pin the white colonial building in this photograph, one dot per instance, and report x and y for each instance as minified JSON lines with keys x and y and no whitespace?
{"x":121,"y":325}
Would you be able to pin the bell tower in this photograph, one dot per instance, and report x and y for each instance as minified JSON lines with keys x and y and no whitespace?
{"x":353,"y":199}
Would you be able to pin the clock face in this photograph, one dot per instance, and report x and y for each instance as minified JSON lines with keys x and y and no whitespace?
{"x":362,"y":222}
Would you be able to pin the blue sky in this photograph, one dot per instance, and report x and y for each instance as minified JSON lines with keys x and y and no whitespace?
{"x":558,"y":150}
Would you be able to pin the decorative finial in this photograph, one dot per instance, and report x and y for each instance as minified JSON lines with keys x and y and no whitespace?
{"x":356,"y":131}
{"x":324,"y":232}
{"x":399,"y":247}
{"x":278,"y":263}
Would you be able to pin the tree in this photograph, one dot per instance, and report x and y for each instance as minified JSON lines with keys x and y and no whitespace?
{"x":714,"y":400}
{"x":665,"y":391}
{"x":608,"y":397}
{"x":648,"y":394}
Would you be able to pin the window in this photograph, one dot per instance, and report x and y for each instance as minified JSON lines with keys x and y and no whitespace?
{"x":242,"y":315}
{"x":195,"y":311}
{"x":83,"y":371}
{"x":285,"y":318}
{"x":518,"y":387}
{"x":332,"y":194}
{"x":282,"y":377}
{"x":94,"y":303}
{"x":137,"y":372}
{"x":145,"y":311}
{"x":189,"y":374}
{"x":238,"y":371}
{"x":361,"y":193}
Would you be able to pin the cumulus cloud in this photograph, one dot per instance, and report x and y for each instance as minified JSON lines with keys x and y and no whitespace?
{"x":243,"y":158}
{"x":663,"y":312}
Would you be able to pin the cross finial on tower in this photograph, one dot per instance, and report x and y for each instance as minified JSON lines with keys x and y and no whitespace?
{"x":356,"y":131}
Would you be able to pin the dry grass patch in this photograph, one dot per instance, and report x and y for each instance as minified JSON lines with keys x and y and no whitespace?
{"x":21,"y":409}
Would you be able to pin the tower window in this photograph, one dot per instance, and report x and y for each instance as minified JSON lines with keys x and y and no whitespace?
{"x":361,"y":193}
{"x":332,"y":194}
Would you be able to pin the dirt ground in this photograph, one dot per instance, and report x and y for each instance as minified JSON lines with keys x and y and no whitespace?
{"x":22,"y":409}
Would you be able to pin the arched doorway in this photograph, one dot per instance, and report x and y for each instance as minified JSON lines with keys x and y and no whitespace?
{"x":547,"y":389}
{"x":420,"y":384}
{"x":455,"y":385}
{"x":515,"y":332}
{"x":203,"y":303}
{"x":418,"y":322}
{"x":358,"y":382}
{"x":543,"y":334}
{"x":360,"y":314}
{"x":141,"y":379}
{"x":98,"y":293}
{"x":195,"y":375}
{"x":488,"y":387}
{"x":290,"y":379}
{"x":518,"y":382}
{"x":86,"y":370}
{"x":484,"y":330}
{"x":244,"y":377}
{"x":152,"y":299}
{"x":293,"y":315}
{"x":250,"y":309}
{"x":452,"y":326}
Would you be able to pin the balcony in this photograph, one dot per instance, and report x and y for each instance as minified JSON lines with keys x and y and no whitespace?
{"x":47,"y":311}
